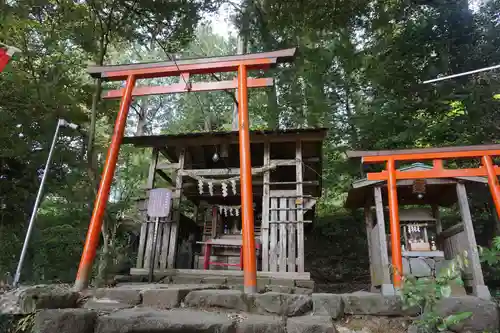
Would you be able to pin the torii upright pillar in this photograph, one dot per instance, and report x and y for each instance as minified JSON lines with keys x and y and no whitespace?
{"x":183,"y":69}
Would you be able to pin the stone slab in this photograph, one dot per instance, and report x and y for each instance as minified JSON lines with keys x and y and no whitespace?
{"x":310,"y":324}
{"x":484,"y":317}
{"x":142,"y":320}
{"x":65,"y":321}
{"x":105,"y":305}
{"x":330,"y":305}
{"x":309,"y":284}
{"x":420,"y":268}
{"x":228,"y":299}
{"x":282,"y":304}
{"x":365,"y":303}
{"x":250,"y":323}
{"x":123,"y":294}
{"x":282,"y":282}
{"x":26,"y":300}
{"x":302,"y":291}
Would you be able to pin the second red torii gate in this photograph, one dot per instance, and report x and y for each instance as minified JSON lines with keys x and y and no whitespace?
{"x":184,"y":69}
{"x":437,"y":155}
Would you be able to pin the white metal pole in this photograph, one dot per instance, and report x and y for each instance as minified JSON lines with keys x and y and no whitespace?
{"x":60,"y":122}
{"x":462,"y":74}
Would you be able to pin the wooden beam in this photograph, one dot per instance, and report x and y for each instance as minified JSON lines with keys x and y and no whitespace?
{"x":478,"y":286}
{"x":384,"y":256}
{"x":354,"y":154}
{"x":369,"y":228}
{"x":167,"y":166}
{"x":202,"y":272}
{"x":265,"y":209}
{"x":164,"y":176}
{"x":300,"y":204}
{"x":152,"y":168}
{"x":176,"y":213}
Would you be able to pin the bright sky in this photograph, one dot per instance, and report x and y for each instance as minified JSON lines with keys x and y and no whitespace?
{"x":221,"y":23}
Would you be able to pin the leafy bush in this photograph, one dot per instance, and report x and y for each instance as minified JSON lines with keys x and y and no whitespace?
{"x":425,"y":293}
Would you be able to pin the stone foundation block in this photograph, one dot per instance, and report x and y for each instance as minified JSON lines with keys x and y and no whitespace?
{"x":228,"y":299}
{"x":260,"y":324}
{"x":125,"y":294}
{"x":65,"y":321}
{"x":365,"y":303}
{"x":26,"y":300}
{"x":310,"y":324}
{"x":309,"y":284}
{"x":484,"y":317}
{"x":330,"y":305}
{"x":141,"y":320}
{"x":282,"y":282}
{"x":282,"y":304}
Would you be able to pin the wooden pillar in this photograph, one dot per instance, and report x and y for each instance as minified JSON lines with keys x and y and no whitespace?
{"x":478,"y":287}
{"x":265,"y":209}
{"x":384,"y":256}
{"x":436,"y":214}
{"x":152,"y":169}
{"x":300,"y":205}
{"x":176,"y":212}
{"x":369,"y":228}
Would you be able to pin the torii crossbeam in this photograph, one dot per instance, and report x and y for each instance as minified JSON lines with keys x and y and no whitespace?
{"x":184,"y":69}
{"x":436,"y":155}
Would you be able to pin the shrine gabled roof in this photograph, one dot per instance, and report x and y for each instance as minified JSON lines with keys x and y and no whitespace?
{"x":440,"y":191}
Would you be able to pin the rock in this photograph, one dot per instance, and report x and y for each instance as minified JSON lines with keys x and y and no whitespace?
{"x":167,"y":298}
{"x":283,"y":304}
{"x":215,"y":279}
{"x":26,"y":300}
{"x":310,"y":324}
{"x":484,"y":317}
{"x":328,"y":305}
{"x":65,"y":321}
{"x":260,"y":324}
{"x":302,"y":291}
{"x":420,"y":268}
{"x":141,"y":320}
{"x":228,"y":299}
{"x":187,"y":279}
{"x":431,"y":262}
{"x":282,"y":282}
{"x":309,"y":284}
{"x":365,"y":303}
{"x":105,"y":304}
{"x":406,"y":266}
{"x":123,"y":294}
{"x":279,"y":289}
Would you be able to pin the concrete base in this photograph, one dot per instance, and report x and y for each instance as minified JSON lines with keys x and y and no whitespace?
{"x":388,"y":290}
{"x":482,"y":292}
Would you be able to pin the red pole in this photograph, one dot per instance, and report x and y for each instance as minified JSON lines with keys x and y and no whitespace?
{"x":249,"y":259}
{"x":397,"y":261}
{"x":94,"y":231}
{"x":492,"y":182}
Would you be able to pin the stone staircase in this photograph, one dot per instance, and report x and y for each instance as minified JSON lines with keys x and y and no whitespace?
{"x":207,"y":308}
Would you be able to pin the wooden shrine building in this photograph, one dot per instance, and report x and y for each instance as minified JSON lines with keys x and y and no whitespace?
{"x":426,"y":243}
{"x":204,"y":229}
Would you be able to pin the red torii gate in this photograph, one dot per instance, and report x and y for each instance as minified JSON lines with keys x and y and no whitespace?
{"x":437,"y":155}
{"x":183,"y":68}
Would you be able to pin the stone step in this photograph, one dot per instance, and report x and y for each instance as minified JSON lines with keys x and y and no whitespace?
{"x":142,"y":320}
